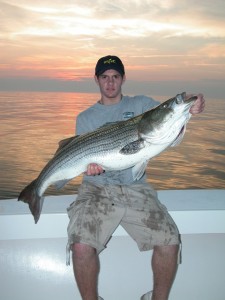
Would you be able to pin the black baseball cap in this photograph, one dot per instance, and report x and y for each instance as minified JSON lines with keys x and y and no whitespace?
{"x":109,"y":62}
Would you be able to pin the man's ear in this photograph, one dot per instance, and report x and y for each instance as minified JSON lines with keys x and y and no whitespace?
{"x":96,"y":80}
{"x":124,"y":78}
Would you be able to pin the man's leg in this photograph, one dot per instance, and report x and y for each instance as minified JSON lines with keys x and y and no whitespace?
{"x":164,"y":266}
{"x":86,"y":270}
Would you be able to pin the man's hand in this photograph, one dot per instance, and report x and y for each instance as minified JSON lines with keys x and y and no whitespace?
{"x":199,"y":105}
{"x":94,"y":169}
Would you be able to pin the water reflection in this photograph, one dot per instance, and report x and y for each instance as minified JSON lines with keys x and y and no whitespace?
{"x":33,"y":123}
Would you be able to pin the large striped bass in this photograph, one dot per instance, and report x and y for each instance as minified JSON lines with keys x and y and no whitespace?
{"x":118,"y":146}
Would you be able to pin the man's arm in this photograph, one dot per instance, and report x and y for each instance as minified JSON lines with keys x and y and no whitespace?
{"x":92,"y":169}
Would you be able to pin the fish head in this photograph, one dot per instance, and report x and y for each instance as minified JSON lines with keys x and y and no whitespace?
{"x":166,"y":122}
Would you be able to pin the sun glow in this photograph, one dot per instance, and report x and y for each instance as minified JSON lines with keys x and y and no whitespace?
{"x":51,"y":39}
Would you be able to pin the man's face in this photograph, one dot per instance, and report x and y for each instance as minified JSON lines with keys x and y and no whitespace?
{"x":110,"y":83}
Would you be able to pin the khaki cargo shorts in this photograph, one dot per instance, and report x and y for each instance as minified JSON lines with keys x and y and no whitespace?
{"x":98,"y":211}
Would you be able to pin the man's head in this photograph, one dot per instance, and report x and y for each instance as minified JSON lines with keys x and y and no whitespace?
{"x":107,"y":63}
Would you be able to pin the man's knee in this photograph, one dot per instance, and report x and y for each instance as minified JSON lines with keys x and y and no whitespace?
{"x":170,"y":250}
{"x":82,"y":250}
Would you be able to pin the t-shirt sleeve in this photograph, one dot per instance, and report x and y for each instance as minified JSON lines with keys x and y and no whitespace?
{"x":149,"y":103}
{"x":81,"y":126}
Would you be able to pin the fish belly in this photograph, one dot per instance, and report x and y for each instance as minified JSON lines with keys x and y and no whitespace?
{"x":118,"y":161}
{"x":110,"y":161}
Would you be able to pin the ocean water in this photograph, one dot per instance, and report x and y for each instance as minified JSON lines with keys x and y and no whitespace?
{"x":33,"y":123}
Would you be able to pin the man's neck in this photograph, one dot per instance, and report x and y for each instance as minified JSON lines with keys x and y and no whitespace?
{"x":110,"y":101}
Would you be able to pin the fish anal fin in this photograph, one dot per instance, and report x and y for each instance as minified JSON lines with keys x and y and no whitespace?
{"x":61,"y":183}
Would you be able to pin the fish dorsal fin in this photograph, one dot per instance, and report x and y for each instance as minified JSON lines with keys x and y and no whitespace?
{"x":110,"y":124}
{"x":65,"y":142}
{"x":139,"y":169}
{"x":133,"y":147}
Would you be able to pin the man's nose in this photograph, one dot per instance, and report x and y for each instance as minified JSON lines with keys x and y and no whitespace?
{"x":110,"y":79}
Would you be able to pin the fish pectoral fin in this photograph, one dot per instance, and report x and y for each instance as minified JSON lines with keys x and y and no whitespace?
{"x":133,"y":147}
{"x":61,"y":183}
{"x":139,"y":169}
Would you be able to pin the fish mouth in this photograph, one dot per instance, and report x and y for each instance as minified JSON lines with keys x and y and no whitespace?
{"x":191,"y":99}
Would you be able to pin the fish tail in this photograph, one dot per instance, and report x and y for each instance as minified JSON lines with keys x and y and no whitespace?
{"x":35,"y":201}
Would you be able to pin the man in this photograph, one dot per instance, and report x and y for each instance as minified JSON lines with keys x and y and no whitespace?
{"x":107,"y":199}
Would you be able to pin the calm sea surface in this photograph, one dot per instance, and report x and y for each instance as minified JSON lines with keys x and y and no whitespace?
{"x":33,"y":123}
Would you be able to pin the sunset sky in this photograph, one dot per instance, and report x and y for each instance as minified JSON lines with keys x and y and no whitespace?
{"x":50,"y":45}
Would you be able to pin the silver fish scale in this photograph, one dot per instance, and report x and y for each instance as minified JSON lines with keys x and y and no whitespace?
{"x":109,"y":138}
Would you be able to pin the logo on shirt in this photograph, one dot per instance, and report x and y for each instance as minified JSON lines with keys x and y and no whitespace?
{"x":128,"y":114}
